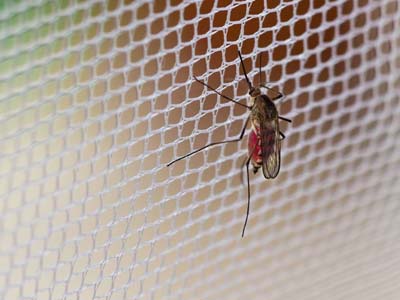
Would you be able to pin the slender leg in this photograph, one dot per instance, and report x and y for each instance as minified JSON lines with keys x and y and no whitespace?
{"x":277,"y":97}
{"x":284,"y":119}
{"x":213,"y":144}
{"x":259,"y":70}
{"x":248,"y":191}
{"x":241,"y":168}
{"x":226,"y":97}
{"x":283,"y":136}
{"x":244,"y":71}
{"x":280,"y":95}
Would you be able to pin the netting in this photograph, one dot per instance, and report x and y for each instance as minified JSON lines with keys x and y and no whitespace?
{"x":97,"y":97}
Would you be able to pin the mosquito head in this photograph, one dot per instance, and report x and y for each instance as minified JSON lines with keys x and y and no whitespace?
{"x":254,"y":92}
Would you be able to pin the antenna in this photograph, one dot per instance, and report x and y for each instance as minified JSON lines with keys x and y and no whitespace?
{"x":244,"y":70}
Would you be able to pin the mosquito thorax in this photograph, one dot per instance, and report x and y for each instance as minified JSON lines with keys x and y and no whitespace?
{"x":264,"y":109}
{"x":254,"y":92}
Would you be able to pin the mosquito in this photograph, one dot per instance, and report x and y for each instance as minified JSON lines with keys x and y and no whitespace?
{"x":264,"y":143}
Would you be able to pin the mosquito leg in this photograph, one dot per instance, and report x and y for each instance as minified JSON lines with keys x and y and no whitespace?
{"x":279,"y":94}
{"x":244,"y":71}
{"x":284,"y":119}
{"x":248,"y":191}
{"x":283,"y":136}
{"x":241,"y":168}
{"x":226,"y":97}
{"x":212,"y":144}
{"x":259,"y":70}
{"x":280,"y":132}
{"x":277,"y":97}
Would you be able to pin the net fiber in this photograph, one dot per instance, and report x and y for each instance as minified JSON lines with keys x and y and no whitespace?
{"x":96,"y":98}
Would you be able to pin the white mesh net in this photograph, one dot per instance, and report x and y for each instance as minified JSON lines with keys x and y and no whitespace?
{"x":97,"y":98}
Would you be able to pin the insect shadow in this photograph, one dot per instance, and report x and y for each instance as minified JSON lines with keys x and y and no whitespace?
{"x":264,"y":143}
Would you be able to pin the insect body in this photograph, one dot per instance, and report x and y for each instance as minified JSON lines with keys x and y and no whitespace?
{"x":264,"y":144}
{"x":264,"y":141}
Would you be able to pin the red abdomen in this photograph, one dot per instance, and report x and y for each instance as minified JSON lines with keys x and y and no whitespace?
{"x":258,"y":143}
{"x":254,"y":146}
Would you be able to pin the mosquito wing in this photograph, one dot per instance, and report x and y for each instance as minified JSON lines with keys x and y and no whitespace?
{"x":270,"y":148}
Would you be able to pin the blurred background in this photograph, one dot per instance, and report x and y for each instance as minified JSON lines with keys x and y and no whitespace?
{"x":96,"y":97}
